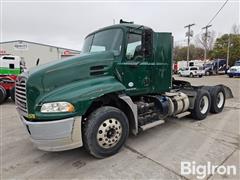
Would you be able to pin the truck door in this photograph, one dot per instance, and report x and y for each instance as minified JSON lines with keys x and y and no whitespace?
{"x":162,"y":74}
{"x":135,"y":69}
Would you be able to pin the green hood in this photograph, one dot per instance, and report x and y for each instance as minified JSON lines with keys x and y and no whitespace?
{"x":58,"y":73}
{"x":47,"y":78}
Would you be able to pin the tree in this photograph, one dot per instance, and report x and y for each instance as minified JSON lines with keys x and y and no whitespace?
{"x":200,"y":40}
{"x":180,"y":53}
{"x":221,"y":47}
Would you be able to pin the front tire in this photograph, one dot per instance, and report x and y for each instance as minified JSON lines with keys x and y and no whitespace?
{"x":12,"y":94}
{"x":105,"y":131}
{"x":7,"y":95}
{"x":202,"y":105}
{"x":191,"y":75}
{"x":3,"y":94}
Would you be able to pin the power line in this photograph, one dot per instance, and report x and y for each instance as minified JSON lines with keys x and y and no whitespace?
{"x":206,"y":30}
{"x":214,"y":16}
{"x":206,"y":27}
{"x":217,"y":12}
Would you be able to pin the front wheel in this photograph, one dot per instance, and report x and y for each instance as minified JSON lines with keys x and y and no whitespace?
{"x":3,"y":94}
{"x":191,"y":75}
{"x":202,"y":105}
{"x":12,"y":94}
{"x":105,"y":131}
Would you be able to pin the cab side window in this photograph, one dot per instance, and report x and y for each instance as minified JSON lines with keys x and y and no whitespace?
{"x":134,"y":47}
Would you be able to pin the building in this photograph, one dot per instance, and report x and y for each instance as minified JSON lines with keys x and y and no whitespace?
{"x":30,"y":52}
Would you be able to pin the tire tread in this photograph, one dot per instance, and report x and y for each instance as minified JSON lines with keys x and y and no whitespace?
{"x":91,"y":123}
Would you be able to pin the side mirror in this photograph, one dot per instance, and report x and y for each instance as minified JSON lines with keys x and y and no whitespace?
{"x":37,"y":62}
{"x":147,"y":42}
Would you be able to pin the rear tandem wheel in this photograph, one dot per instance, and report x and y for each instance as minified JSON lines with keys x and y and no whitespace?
{"x":202,"y":105}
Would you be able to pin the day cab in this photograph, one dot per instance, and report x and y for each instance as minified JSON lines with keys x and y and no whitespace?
{"x":120,"y":83}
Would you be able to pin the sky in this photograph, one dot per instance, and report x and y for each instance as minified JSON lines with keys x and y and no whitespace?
{"x":66,"y":23}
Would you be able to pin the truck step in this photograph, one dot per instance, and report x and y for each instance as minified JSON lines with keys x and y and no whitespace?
{"x":151,"y":125}
{"x":183,"y":114}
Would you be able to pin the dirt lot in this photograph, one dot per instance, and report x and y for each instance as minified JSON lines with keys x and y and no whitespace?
{"x":156,"y":153}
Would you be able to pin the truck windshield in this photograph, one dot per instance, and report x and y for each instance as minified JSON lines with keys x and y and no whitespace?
{"x":108,"y":40}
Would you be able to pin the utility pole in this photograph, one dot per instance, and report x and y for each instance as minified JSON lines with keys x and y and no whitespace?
{"x":205,"y":42}
{"x":228,"y":50}
{"x":189,"y":34}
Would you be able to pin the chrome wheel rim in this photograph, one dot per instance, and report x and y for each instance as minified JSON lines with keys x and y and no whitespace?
{"x":109,"y":133}
{"x":204,"y":104}
{"x":220,"y":99}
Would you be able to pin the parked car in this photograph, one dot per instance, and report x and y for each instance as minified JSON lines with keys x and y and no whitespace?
{"x":237,"y":63}
{"x":192,"y":72}
{"x":234,"y":71}
{"x":182,"y":64}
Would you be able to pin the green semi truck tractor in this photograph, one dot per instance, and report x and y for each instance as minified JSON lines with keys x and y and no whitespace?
{"x":121,"y":83}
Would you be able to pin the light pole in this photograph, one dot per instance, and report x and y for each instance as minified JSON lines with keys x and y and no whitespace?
{"x":189,"y":34}
{"x":228,"y":50}
{"x":205,"y":42}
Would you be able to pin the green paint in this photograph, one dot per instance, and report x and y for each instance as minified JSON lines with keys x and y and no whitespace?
{"x":79,"y":81}
{"x":7,"y":71}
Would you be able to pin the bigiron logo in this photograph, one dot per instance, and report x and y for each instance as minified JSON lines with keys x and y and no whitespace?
{"x":202,"y":171}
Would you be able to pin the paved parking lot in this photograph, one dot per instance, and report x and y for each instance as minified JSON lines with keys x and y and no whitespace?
{"x":156,"y":153}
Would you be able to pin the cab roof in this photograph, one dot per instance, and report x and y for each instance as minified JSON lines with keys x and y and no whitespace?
{"x":121,"y":25}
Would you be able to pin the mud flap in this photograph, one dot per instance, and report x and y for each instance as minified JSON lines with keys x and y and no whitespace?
{"x":228,"y":91}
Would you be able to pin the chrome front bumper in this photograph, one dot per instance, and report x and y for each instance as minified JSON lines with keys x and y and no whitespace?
{"x":57,"y":135}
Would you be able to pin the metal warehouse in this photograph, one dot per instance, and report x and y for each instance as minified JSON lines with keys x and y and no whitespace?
{"x":30,"y":52}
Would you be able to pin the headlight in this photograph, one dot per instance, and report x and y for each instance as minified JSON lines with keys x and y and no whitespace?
{"x":57,"y":107}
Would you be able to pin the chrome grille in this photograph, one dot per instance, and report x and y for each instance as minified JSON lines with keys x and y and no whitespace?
{"x":20,"y":95}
